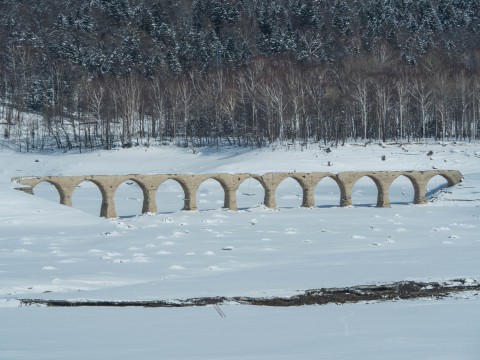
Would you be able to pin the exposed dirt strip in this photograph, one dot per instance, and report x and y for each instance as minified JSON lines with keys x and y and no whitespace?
{"x":385,"y":292}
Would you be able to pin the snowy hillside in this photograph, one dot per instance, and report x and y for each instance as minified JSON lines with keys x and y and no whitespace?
{"x":49,"y":251}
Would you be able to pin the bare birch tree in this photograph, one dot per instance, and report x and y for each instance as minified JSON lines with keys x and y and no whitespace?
{"x":422,"y":92}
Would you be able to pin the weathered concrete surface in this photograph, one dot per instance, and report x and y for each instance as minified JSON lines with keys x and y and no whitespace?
{"x":149,"y":184}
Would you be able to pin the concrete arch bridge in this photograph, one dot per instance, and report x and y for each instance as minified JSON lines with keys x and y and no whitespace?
{"x":149,"y":184}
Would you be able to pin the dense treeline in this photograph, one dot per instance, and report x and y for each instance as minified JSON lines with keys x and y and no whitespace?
{"x":91,"y":73}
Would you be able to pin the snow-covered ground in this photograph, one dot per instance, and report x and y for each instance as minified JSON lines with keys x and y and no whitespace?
{"x":422,"y":329}
{"x":51,"y":251}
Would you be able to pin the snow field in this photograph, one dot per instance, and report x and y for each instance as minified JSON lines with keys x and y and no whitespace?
{"x":421,"y":329}
{"x":51,"y":251}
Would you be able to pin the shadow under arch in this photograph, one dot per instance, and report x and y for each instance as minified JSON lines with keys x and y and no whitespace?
{"x":208,"y":194}
{"x":436,"y":183}
{"x":289,"y":193}
{"x":170,"y":196}
{"x":47,"y":190}
{"x":327,"y":192}
{"x":250,"y":193}
{"x":364,"y":193}
{"x":87,"y":196}
{"x":129,"y":197}
{"x":402,"y":190}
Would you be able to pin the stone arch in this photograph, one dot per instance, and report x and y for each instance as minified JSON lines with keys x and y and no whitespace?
{"x":378,"y":185}
{"x":420,"y":180}
{"x":107,"y":208}
{"x":123,"y":205}
{"x":243,"y":194}
{"x":180,"y":181}
{"x":220,"y":182}
{"x":52,"y":185}
{"x":289,"y":198}
{"x":88,"y":205}
{"x":218,"y":177}
{"x":135,"y":179}
{"x":334,"y":185}
{"x":189,"y":187}
{"x":64,"y":185}
{"x":167,"y":197}
{"x":435,"y":183}
{"x":402,"y":189}
{"x":452,"y":177}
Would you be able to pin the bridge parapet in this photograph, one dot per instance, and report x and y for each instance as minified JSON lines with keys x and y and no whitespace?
{"x":108,"y":185}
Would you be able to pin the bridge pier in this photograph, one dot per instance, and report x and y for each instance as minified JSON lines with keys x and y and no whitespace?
{"x":345,"y":183}
{"x":65,"y":191}
{"x":270,"y":186}
{"x":383,"y":181}
{"x":149,"y":201}
{"x":107,"y":186}
{"x":230,"y":199}
{"x":345,"y":197}
{"x":107,"y":210}
{"x":269,"y":199}
{"x":383,"y":199}
{"x":190,"y":202}
{"x":308,"y":199}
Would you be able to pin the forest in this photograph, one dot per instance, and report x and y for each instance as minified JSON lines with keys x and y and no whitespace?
{"x":106,"y":73}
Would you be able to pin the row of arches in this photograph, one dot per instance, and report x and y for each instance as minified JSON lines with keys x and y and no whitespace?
{"x":131,"y":195}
